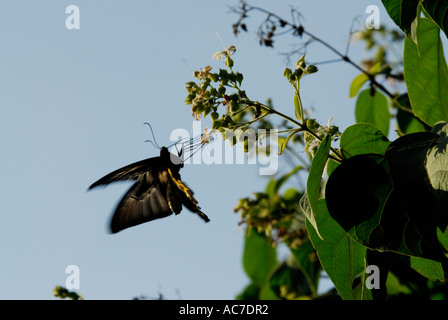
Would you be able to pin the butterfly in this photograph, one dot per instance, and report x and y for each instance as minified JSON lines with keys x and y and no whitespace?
{"x":158,"y":190}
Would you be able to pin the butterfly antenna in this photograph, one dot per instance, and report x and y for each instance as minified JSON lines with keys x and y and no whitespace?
{"x":155,"y":144}
{"x":157,"y":147}
{"x":175,"y":143}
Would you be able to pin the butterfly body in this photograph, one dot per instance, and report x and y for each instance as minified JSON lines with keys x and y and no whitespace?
{"x":158,"y":191}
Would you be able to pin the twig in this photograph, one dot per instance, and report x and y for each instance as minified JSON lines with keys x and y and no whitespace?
{"x":299,"y":30}
{"x":336,"y":157}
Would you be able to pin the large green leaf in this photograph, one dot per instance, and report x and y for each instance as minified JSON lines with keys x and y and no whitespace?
{"x":373,"y":109}
{"x":405,"y":13}
{"x":340,"y":256}
{"x":413,"y":202}
{"x":315,"y":179}
{"x":384,"y":203}
{"x":426,"y":74}
{"x":356,"y":194}
{"x":437,"y":169}
{"x":407,"y":158}
{"x":438,"y":11}
{"x":259,"y":257}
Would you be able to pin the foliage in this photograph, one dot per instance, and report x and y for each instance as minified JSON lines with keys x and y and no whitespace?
{"x":368,"y":201}
{"x":62,"y":293}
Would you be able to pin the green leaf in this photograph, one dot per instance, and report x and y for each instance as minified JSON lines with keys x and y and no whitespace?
{"x":402,"y":12}
{"x":288,"y":282}
{"x":361,"y":139}
{"x":266,"y":293}
{"x":285,"y":177}
{"x":384,"y":203}
{"x":285,"y":142}
{"x":412,"y":211}
{"x":229,"y":62}
{"x":340,"y":256}
{"x":437,"y":169}
{"x":315,"y":178}
{"x":62,"y":293}
{"x":356,"y":193}
{"x":259,"y":257}
{"x":331,"y":166}
{"x":239,"y":77}
{"x":394,"y":286}
{"x":274,"y":185}
{"x":428,"y":268}
{"x":271,"y":188}
{"x":443,"y":238}
{"x":426,"y":74}
{"x":373,"y":110}
{"x":298,"y":107}
{"x":309,"y":268}
{"x":407,"y":122}
{"x":438,"y":11}
{"x":357,"y":83}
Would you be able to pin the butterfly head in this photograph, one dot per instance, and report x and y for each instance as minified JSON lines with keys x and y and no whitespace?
{"x":170,"y":159}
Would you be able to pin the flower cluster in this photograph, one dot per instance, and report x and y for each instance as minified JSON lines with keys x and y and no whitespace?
{"x":211,"y":92}
{"x":276,"y":216}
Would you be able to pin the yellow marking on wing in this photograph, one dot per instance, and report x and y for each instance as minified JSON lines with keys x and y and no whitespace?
{"x":182,"y":187}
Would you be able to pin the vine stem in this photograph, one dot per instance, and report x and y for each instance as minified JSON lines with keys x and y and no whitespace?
{"x":344,"y":57}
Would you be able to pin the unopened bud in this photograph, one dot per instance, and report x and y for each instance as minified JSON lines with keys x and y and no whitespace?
{"x":311,"y":69}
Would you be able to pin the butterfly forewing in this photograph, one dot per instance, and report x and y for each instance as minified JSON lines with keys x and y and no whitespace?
{"x":129,"y":172}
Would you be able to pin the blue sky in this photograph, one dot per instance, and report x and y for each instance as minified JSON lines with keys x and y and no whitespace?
{"x":73,"y":103}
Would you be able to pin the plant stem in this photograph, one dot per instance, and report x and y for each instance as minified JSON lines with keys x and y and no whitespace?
{"x":336,"y":156}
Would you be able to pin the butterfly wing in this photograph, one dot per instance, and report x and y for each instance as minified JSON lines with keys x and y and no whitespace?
{"x":146,"y":200}
{"x":186,"y":196}
{"x":129,"y":172}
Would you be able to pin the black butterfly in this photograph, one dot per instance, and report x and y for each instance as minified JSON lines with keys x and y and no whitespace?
{"x":157,"y":192}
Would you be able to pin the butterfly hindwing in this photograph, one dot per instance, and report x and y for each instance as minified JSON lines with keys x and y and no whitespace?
{"x":187,"y":198}
{"x":173,"y":197}
{"x":145,"y":201}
